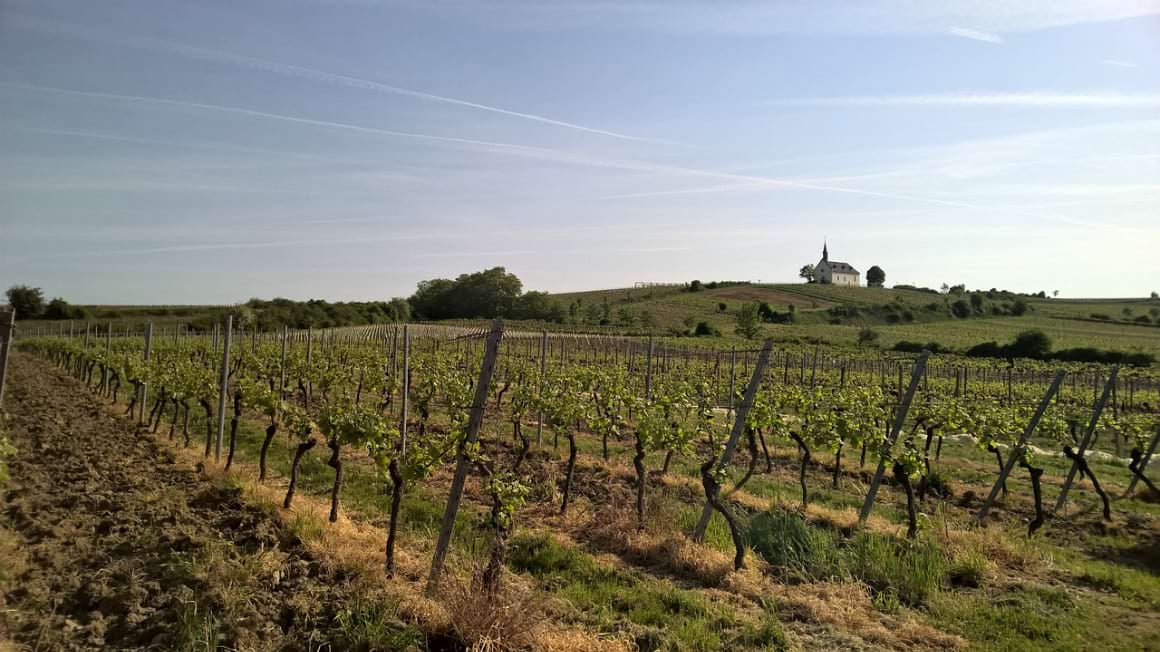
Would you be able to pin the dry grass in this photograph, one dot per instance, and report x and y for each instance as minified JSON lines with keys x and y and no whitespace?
{"x":847,"y":606}
{"x":484,"y":623}
{"x":356,"y":550}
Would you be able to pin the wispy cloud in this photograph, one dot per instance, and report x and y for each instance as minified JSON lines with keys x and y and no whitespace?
{"x":1040,"y":100}
{"x":1120,"y":64}
{"x":767,"y":17}
{"x":561,"y":156}
{"x":218,"y":147}
{"x":974,"y":35}
{"x":158,"y":101}
{"x":300,"y":72}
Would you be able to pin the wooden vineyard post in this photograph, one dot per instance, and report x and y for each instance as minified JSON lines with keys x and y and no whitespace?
{"x":282,"y":368}
{"x":463,"y":458}
{"x":735,"y":433}
{"x":814,"y":367}
{"x":540,"y":390}
{"x":1087,"y":436}
{"x":309,"y":354}
{"x":648,"y":371}
{"x":405,"y":391}
{"x":224,"y":388}
{"x":108,"y":349}
{"x":1017,"y":451}
{"x":395,"y":348}
{"x":145,"y":386}
{"x":899,"y":419}
{"x":732,"y":382}
{"x":7,"y":332}
{"x":1131,"y":485}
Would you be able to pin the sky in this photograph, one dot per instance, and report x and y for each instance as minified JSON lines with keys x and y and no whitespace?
{"x":164,"y":152}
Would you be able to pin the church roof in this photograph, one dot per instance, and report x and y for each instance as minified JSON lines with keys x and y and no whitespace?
{"x":841,"y":268}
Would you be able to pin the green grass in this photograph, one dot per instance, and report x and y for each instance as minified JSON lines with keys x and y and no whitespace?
{"x":658,"y":615}
{"x":795,"y":548}
{"x":1035,"y":617}
{"x":911,"y":571}
{"x":364,"y":624}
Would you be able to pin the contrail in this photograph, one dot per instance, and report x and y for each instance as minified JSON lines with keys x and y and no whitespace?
{"x":212,"y":147}
{"x":273,"y":116}
{"x":304,"y":73}
{"x":542,"y":153}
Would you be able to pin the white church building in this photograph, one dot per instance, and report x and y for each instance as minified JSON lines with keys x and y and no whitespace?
{"x":831,"y":271}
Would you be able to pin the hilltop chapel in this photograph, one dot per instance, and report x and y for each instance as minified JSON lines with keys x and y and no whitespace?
{"x":833,"y":272}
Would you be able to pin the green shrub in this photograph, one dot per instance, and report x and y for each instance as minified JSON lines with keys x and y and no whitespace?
{"x":799,"y":550}
{"x":938,"y":484}
{"x":912,"y":569}
{"x":969,"y":569}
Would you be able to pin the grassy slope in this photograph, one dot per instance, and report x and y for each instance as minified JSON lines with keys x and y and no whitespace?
{"x":1067,"y":321}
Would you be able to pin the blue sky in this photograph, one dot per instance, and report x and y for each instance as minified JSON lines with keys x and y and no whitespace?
{"x":208,"y":152}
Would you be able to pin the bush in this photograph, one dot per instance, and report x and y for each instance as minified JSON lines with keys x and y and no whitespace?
{"x":1100,"y":316}
{"x":939,"y":484}
{"x":704,"y":329}
{"x":968,"y":570}
{"x":961,"y":309}
{"x":797,"y":549}
{"x":1019,"y":308}
{"x":987,"y":350}
{"x":905,"y":346}
{"x":912,"y":569}
{"x":1034,"y":344}
{"x":867,"y":336}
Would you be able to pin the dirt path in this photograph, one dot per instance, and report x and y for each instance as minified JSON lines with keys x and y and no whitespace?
{"x":106,"y":542}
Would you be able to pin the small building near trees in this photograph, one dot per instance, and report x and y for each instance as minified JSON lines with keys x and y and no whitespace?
{"x":833,"y":272}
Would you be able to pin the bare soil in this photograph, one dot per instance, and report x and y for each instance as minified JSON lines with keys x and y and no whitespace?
{"x":110,"y":544}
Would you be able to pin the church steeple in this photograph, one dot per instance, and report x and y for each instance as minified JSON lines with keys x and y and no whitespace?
{"x":825,"y":252}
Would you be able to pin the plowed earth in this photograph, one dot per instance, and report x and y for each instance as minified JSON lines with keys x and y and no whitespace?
{"x":110,"y":544}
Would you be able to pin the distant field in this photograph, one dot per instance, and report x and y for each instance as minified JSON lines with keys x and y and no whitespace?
{"x":833,"y":313}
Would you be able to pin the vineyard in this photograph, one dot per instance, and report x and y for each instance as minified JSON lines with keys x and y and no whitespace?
{"x":494,"y":490}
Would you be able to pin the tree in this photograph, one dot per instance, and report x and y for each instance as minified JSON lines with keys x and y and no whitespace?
{"x":807,"y":272}
{"x":1055,"y":294}
{"x":537,"y":305}
{"x":625,"y":316}
{"x":1156,"y":295}
{"x":875,"y":277}
{"x":867,"y":336}
{"x":695,"y":286}
{"x":58,"y":308}
{"x":1031,"y":344}
{"x":945,"y":289}
{"x":977,"y":302}
{"x":490,"y":293}
{"x":28,"y":302}
{"x":748,"y":321}
{"x":704,"y":328}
